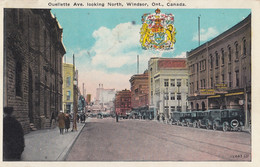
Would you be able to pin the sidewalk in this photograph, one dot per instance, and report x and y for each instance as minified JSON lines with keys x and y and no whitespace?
{"x":49,"y":144}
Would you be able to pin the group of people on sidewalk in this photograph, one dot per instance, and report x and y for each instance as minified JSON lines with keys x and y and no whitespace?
{"x":64,"y":122}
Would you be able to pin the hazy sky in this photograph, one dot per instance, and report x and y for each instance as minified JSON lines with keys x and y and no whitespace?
{"x":106,"y":41}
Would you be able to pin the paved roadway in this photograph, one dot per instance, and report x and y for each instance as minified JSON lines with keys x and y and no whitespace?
{"x":138,"y":140}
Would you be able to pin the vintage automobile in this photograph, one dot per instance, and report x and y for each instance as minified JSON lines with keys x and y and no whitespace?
{"x":203,"y":119}
{"x":185,"y":119}
{"x":175,"y":118}
{"x":195,"y":117}
{"x":229,"y":119}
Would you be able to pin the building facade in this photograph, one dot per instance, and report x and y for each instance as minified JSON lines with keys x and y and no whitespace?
{"x":33,"y":52}
{"x":123,"y":102}
{"x":168,"y":86}
{"x":220,"y":71}
{"x":105,"y":98}
{"x":68,"y":88}
{"x":139,"y":95}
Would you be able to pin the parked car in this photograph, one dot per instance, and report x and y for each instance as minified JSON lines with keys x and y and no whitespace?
{"x":175,"y":118}
{"x":203,"y":119}
{"x":230,"y":119}
{"x":196,"y":116}
{"x":185,"y":119}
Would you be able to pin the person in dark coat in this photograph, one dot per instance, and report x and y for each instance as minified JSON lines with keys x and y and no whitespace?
{"x":61,"y":120}
{"x":13,"y":137}
{"x":67,"y":122}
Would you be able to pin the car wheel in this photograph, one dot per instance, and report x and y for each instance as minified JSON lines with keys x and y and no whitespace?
{"x":182,"y":123}
{"x":207,"y":126}
{"x":225,"y":126}
{"x":215,"y":126}
{"x":178,"y":122}
{"x":194,"y":124}
{"x":198,"y":124}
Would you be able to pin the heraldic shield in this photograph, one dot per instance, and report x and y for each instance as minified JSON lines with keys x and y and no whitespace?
{"x":157,"y":31}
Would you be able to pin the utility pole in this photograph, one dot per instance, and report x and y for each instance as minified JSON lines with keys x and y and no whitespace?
{"x":75,"y":103}
{"x":137,"y":64}
{"x":199,"y":29}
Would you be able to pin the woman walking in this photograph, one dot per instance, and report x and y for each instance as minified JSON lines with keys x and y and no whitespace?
{"x":61,"y":120}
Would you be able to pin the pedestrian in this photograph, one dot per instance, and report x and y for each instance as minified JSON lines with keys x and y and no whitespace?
{"x":67,"y":122}
{"x":61,"y":120}
{"x":13,"y":137}
{"x":116,"y":117}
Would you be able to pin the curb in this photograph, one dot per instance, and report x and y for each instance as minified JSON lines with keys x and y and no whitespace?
{"x":64,"y":154}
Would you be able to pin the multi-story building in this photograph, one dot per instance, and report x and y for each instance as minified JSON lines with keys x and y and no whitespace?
{"x":168,"y":85}
{"x":105,"y":98}
{"x":33,"y":52}
{"x":220,"y":71}
{"x":68,"y":87}
{"x":123,"y":102}
{"x":139,"y":94}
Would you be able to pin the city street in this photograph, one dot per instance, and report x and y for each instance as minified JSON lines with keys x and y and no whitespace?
{"x":137,"y":140}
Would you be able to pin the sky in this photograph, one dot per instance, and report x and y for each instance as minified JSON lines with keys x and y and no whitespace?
{"x":105,"y":42}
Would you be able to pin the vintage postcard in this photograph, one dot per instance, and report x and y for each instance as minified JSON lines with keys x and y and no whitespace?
{"x":129,"y":83}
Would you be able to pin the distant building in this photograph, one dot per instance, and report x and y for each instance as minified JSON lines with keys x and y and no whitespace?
{"x":105,"y":98}
{"x":68,"y":89}
{"x":139,"y":95}
{"x":88,"y":99}
{"x":33,"y":52}
{"x":168,"y":85}
{"x":220,"y":71}
{"x":123,"y":102}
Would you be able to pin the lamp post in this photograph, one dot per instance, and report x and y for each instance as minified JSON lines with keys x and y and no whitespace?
{"x":75,"y":105}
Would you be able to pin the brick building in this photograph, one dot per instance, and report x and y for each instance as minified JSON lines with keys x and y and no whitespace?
{"x":168,"y":85}
{"x":220,"y":71}
{"x":33,"y":52}
{"x":139,"y":94}
{"x":123,"y":102}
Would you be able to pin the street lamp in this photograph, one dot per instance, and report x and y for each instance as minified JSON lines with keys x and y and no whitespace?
{"x":75,"y":109}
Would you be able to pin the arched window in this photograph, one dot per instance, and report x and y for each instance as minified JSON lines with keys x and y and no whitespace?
{"x":244,"y":47}
{"x":223,"y":56}
{"x":237,"y":52}
{"x":216,"y":56}
{"x":18,"y":78}
{"x":229,"y":53}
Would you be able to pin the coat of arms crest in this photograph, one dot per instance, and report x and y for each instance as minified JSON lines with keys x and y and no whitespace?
{"x":157,"y":31}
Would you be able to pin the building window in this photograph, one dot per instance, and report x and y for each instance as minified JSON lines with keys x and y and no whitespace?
{"x":166,"y":109}
{"x":172,"y":108}
{"x":211,"y":82}
{"x":230,"y":80}
{"x":178,"y":96}
{"x":244,"y":47}
{"x":229,"y":54}
{"x":211,"y":61}
{"x":166,"y":82}
{"x":216,"y":56}
{"x":223,"y":78}
{"x":201,"y":83}
{"x":172,"y":96}
{"x":197,"y":85}
{"x":166,"y":96}
{"x":223,"y":56}
{"x":178,"y":82}
{"x":187,"y":82}
{"x":216,"y":79}
{"x":172,"y":82}
{"x":68,"y":95}
{"x":237,"y":78}
{"x":236,"y":50}
{"x":18,"y":78}
{"x":179,"y":108}
{"x":68,"y":81}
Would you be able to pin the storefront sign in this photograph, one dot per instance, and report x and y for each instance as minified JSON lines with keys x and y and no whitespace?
{"x":207,"y":91}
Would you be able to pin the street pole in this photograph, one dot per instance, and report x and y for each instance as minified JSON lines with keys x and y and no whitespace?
{"x":75,"y":107}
